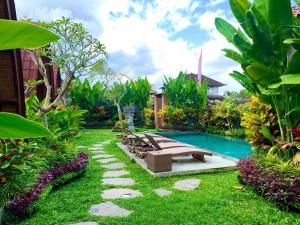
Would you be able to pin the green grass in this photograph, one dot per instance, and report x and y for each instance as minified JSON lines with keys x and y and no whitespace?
{"x":216,"y":201}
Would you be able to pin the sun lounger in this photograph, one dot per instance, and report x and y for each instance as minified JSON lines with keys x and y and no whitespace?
{"x":161,"y":160}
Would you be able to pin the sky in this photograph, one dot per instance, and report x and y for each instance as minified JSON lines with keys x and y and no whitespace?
{"x":153,"y":38}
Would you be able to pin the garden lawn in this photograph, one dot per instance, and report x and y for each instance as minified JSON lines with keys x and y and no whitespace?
{"x":218,"y":200}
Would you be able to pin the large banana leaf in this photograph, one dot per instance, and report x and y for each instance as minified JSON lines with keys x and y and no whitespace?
{"x":16,"y":34}
{"x":226,"y":29}
{"x":287,"y":79}
{"x":294,"y":64}
{"x":262,"y":74}
{"x":13,"y":126}
{"x":239,"y":8}
{"x":261,"y":6}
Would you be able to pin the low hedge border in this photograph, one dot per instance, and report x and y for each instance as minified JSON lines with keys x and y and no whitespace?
{"x":283,"y":191}
{"x":26,"y":204}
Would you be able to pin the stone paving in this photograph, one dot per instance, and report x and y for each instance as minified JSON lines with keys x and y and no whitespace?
{"x":123,"y":193}
{"x":187,"y":185}
{"x":108,"y":160}
{"x":109,"y":209}
{"x":162,"y":192}
{"x":115,"y":173}
{"x":118,"y":181}
{"x":114,"y":166}
{"x":102,"y":156}
{"x":95,"y":148}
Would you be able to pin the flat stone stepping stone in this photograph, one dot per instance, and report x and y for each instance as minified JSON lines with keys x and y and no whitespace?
{"x":162,"y":192}
{"x":118,"y":181}
{"x":97,"y":145}
{"x":114,"y":166}
{"x":85,"y":223}
{"x":117,"y":173}
{"x":109,"y":209}
{"x":123,"y":193}
{"x":108,"y":160}
{"x":98,"y":151}
{"x":187,"y":185}
{"x":81,"y":146}
{"x":102,"y":156}
{"x":95,"y":148}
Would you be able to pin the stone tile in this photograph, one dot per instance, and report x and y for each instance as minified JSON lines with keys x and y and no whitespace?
{"x":81,"y":146}
{"x":162,"y":192}
{"x":108,"y":160}
{"x":102,"y":156}
{"x":85,"y":223}
{"x":109,"y":209}
{"x":117,"y":173}
{"x":187,"y":185}
{"x":114,"y":166}
{"x":98,"y":152}
{"x":123,"y":193}
{"x":95,"y":148}
{"x":97,"y":145}
{"x":118,"y":181}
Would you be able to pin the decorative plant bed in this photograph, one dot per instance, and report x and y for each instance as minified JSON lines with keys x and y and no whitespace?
{"x":24,"y":204}
{"x":283,"y":191}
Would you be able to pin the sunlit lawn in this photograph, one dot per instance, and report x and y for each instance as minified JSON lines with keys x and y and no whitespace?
{"x":216,"y":201}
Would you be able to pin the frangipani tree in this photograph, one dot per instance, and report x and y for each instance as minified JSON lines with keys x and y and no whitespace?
{"x":267,"y":48}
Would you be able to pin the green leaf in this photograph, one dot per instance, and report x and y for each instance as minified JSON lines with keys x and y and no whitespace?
{"x":294,"y":64}
{"x":16,"y":34}
{"x":229,"y":53}
{"x":262,"y":74}
{"x":13,"y":126}
{"x":266,"y":133}
{"x":226,"y":29}
{"x":287,"y":79}
{"x":239,"y":8}
{"x":292,"y":41}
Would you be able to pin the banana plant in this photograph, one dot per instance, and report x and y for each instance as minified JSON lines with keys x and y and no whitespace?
{"x":267,"y":49}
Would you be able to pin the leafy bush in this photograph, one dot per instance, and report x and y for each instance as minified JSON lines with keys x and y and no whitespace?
{"x":284,"y":191}
{"x":172,"y":117}
{"x":255,"y":116}
{"x":19,"y":205}
{"x":149,"y":118}
{"x":119,"y":125}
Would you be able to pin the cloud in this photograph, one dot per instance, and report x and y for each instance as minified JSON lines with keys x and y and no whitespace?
{"x":139,"y":34}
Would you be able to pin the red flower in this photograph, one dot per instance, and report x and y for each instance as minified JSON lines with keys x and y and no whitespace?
{"x":296,"y":132}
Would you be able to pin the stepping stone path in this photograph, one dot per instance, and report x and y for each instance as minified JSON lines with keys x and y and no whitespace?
{"x":95,"y":148}
{"x":97,"y":145}
{"x":162,"y":192}
{"x":109,"y":209}
{"x":81,"y":146}
{"x":102,"y":156}
{"x":187,"y":185}
{"x":114,"y":166}
{"x":119,"y":181}
{"x":98,"y":152}
{"x":108,"y":160}
{"x":123,"y":193}
{"x":117,"y":173}
{"x":86,"y":223}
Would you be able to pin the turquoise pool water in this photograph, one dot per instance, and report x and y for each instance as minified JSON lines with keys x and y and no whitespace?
{"x":227,"y":146}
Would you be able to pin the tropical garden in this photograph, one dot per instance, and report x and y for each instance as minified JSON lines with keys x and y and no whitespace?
{"x":47,"y":179}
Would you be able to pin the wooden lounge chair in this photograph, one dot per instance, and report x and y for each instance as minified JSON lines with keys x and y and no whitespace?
{"x":161,"y":160}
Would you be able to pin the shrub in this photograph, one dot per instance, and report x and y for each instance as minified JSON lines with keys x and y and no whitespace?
{"x":149,"y":118}
{"x":284,"y":191}
{"x":172,"y":117}
{"x":19,"y":205}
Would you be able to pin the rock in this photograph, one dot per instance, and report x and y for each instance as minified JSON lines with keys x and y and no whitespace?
{"x":117,"y":173}
{"x":123,"y":193}
{"x":95,"y":148}
{"x":97,"y":145}
{"x":187,"y":185}
{"x":107,"y":160}
{"x":114,"y":166}
{"x":85,"y":223}
{"x":119,"y":181}
{"x":109,"y":209}
{"x":162,"y":192}
{"x":102,"y":156}
{"x":81,"y":146}
{"x":98,"y":152}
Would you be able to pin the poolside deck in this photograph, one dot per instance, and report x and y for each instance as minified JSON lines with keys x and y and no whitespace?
{"x":187,"y":165}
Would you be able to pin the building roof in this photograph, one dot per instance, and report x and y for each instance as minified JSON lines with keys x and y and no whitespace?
{"x":211,"y":82}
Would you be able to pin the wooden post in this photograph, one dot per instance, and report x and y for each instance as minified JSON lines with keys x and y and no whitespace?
{"x":11,"y":76}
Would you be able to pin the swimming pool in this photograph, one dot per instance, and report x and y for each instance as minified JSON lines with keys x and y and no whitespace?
{"x":224,"y":145}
